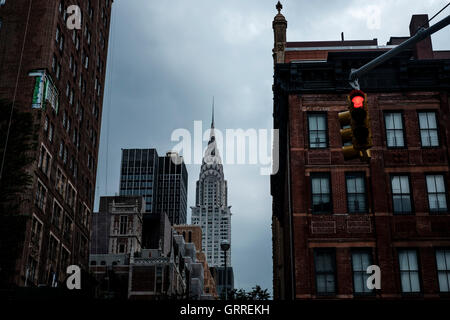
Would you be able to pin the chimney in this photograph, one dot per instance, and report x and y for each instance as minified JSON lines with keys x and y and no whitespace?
{"x":424,"y":48}
{"x":279,"y":26}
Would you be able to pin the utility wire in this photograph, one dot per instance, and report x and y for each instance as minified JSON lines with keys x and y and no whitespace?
{"x":448,"y":4}
{"x":15,"y":91}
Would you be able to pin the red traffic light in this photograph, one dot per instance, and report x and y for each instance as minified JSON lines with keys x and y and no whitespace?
{"x":358,"y":101}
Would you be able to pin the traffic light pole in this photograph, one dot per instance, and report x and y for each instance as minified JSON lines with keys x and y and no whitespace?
{"x":421,"y":34}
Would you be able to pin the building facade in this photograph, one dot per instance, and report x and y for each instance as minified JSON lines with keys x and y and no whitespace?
{"x":162,"y":181}
{"x":139,"y":175}
{"x":172,"y":270}
{"x":211,"y":211}
{"x":117,"y":227}
{"x":333,"y":218}
{"x":193,"y":234}
{"x":58,"y":76}
{"x":172,"y":188}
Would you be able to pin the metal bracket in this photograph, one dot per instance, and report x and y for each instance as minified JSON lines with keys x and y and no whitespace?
{"x":353,"y":82}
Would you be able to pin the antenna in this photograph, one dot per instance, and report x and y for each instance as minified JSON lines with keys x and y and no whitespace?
{"x":212,"y":121}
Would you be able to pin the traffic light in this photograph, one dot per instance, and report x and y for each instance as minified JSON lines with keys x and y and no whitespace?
{"x":347,"y":136}
{"x":355,"y":126}
{"x":357,"y":105}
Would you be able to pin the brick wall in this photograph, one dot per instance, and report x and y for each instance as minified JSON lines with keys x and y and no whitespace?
{"x":378,"y":229}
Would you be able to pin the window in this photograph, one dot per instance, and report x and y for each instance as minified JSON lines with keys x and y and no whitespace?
{"x":443,"y":269}
{"x":46,"y":121}
{"x":50,"y":133}
{"x":428,"y":129}
{"x":394,"y":129}
{"x":356,"y":193}
{"x":45,"y":161}
{"x":361,"y":260}
{"x":317,"y":124}
{"x":75,"y":68}
{"x":437,"y":195}
{"x":54,"y":61}
{"x":32,"y":265}
{"x":61,"y":43}
{"x":71,"y":98}
{"x":85,"y":214}
{"x":409,"y":271}
{"x":65,"y":155}
{"x":36,"y":232}
{"x":71,"y":195}
{"x":325,"y":267}
{"x":41,"y":196}
{"x":61,"y":181}
{"x":321,"y":197}
{"x":58,"y":71}
{"x":57,"y":214}
{"x":67,"y":228}
{"x":53,"y":248}
{"x":401,"y":195}
{"x":61,"y":149}
{"x":123,"y":224}
{"x":57,"y":35}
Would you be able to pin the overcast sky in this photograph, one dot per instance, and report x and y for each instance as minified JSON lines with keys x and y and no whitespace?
{"x":168,"y":58}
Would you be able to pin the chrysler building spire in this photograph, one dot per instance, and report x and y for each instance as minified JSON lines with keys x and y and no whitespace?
{"x":211,"y":210}
{"x":212,"y":121}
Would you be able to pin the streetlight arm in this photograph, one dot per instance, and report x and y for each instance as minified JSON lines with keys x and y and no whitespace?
{"x":421,"y":34}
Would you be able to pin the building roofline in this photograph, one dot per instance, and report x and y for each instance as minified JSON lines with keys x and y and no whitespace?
{"x":308,"y":44}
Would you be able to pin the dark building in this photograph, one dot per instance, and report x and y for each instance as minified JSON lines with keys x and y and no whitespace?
{"x":172,"y":188}
{"x":139,"y":175}
{"x":117,"y":226}
{"x":333,"y":218}
{"x":223,"y":281}
{"x":161,"y":181}
{"x":57,"y":75}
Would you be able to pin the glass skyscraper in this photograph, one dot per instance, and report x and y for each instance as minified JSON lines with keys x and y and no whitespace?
{"x":161,"y":181}
{"x":139,"y":175}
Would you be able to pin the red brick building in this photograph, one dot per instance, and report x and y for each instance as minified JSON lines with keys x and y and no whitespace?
{"x":333,"y":218}
{"x":60,"y":76}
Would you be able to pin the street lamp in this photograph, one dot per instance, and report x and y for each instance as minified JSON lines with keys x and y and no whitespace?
{"x":225,"y":246}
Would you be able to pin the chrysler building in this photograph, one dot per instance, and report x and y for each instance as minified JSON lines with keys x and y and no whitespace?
{"x":211,"y":209}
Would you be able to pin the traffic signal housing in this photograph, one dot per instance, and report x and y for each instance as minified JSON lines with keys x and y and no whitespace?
{"x":360,"y":123}
{"x":355,"y":127}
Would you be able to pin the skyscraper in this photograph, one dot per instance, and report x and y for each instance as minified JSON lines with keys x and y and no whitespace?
{"x":160,"y":180}
{"x":57,"y":75}
{"x":139,"y":175}
{"x":172,"y":188}
{"x":211,"y":209}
